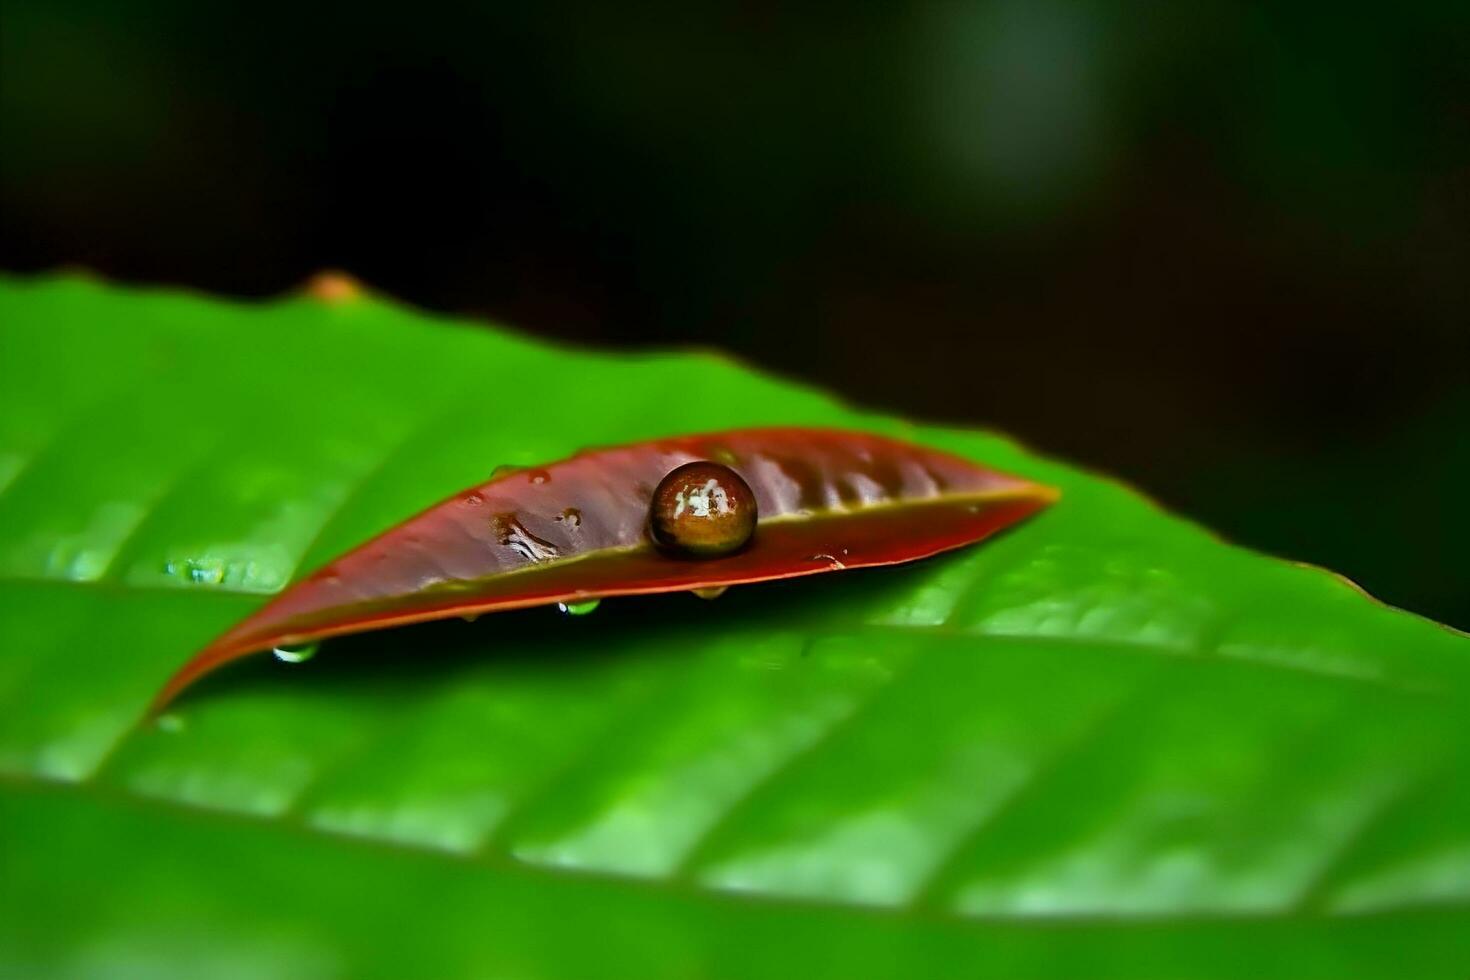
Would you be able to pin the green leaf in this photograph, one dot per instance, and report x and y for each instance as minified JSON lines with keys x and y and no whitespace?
{"x":1102,"y":744}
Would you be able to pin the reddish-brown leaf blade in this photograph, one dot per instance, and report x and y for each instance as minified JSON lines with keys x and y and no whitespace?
{"x":577,"y":530}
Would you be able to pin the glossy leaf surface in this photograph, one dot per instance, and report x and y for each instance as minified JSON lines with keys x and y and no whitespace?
{"x":1102,"y":744}
{"x":575,"y":531}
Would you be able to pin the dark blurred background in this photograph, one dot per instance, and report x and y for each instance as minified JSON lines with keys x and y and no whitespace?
{"x":1218,"y":250}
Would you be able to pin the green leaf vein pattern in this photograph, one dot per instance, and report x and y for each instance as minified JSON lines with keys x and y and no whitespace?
{"x":1105,"y":743}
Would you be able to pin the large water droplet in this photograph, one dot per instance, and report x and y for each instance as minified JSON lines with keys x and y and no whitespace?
{"x":296,"y":653}
{"x":702,"y":510}
{"x":710,"y":592}
{"x":579,"y":608}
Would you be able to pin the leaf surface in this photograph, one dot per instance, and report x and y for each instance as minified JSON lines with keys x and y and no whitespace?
{"x":577,"y":531}
{"x":1103,"y":744}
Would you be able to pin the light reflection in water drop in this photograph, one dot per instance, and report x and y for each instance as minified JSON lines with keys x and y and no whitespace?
{"x":579,"y":608}
{"x":296,"y":653}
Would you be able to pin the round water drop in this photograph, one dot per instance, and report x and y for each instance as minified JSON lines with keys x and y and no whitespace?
{"x":710,"y":591}
{"x":578,"y":608}
{"x":296,"y":653}
{"x":702,"y":510}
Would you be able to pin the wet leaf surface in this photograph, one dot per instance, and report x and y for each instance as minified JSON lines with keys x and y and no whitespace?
{"x":1101,"y":744}
{"x":577,"y":531}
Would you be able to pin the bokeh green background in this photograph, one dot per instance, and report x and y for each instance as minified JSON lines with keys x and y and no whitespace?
{"x":1217,"y":249}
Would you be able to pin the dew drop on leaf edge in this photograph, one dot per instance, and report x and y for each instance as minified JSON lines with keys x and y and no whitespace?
{"x":578,"y":608}
{"x":295,"y":653}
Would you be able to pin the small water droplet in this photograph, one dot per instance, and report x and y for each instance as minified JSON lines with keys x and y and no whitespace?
{"x":579,"y":608}
{"x":203,"y":571}
{"x":710,"y":592}
{"x":470,"y":617}
{"x":296,"y":653}
{"x":473,"y":499}
{"x":831,"y":560}
{"x":513,"y":534}
{"x":571,"y":517}
{"x":170,"y":723}
{"x":539,"y":476}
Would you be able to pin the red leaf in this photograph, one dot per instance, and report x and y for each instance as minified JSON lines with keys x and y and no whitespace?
{"x":578,"y":530}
